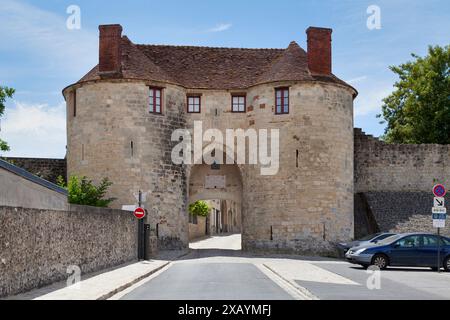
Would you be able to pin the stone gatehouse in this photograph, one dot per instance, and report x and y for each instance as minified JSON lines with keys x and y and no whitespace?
{"x":121,"y":115}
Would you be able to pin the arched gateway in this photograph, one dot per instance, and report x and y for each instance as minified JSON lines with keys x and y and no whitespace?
{"x":121,"y":116}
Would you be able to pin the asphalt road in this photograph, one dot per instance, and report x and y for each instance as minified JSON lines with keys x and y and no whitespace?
{"x":394,"y":284}
{"x":216,"y":269}
{"x":210,"y":281}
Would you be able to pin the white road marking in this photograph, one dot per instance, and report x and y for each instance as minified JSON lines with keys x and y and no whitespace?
{"x":305,"y":271}
{"x":293,"y":291}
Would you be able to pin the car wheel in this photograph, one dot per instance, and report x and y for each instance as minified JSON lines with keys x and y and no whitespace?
{"x":380,"y":260}
{"x":447,"y":264}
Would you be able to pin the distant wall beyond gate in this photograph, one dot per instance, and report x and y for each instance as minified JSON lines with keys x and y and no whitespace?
{"x":37,"y":246}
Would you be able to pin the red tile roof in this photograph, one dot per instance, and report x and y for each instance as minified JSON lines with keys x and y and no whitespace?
{"x":213,"y":68}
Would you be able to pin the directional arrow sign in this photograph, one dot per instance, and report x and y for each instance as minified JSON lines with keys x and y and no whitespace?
{"x":439,"y":202}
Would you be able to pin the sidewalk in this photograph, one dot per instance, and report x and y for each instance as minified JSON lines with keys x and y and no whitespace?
{"x":104,"y":284}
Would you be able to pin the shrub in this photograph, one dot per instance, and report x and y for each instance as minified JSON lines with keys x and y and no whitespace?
{"x":199,"y":208}
{"x":83,"y":191}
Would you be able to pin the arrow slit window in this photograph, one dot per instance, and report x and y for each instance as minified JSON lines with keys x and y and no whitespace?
{"x":282,"y":101}
{"x":155,"y":95}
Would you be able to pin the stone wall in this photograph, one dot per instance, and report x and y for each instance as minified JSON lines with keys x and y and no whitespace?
{"x":399,"y":167}
{"x":197,"y":230}
{"x":393,"y":184}
{"x":403,"y":211}
{"x":37,"y":246}
{"x":48,"y":169}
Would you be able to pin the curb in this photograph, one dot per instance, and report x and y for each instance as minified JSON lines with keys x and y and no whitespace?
{"x":129,"y":284}
{"x":134,"y":281}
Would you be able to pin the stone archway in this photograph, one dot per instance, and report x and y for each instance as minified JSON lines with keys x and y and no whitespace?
{"x":222,"y":183}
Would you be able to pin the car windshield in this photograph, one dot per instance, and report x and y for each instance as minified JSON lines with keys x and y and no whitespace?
{"x":446,"y":241}
{"x":390,"y":239}
{"x":369,"y":237}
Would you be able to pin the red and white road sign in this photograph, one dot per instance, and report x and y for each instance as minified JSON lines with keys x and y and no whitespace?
{"x":439,"y":190}
{"x":139,"y":213}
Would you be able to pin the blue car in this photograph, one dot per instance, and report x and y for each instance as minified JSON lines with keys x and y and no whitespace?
{"x":405,"y":250}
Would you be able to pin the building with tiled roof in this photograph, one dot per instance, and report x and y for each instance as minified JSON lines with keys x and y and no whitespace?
{"x":122,"y":115}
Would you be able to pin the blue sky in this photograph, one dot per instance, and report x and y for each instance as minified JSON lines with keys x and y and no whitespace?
{"x":39,"y":56}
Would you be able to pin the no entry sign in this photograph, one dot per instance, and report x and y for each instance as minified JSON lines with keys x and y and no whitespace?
{"x":139,"y":213}
{"x":439,"y":190}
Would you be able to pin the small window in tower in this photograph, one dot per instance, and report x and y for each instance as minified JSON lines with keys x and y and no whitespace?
{"x":238,"y":103}
{"x":281,"y":100}
{"x":155,"y":95}
{"x":194,"y":104}
{"x":132,"y":148}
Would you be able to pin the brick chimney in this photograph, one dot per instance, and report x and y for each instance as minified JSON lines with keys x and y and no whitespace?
{"x":319,"y":50}
{"x":110,"y":50}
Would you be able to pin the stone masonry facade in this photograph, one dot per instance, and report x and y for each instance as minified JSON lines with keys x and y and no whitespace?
{"x":39,"y":246}
{"x":395,"y":183}
{"x":48,"y":169}
{"x":114,"y":130}
{"x":306,"y":207}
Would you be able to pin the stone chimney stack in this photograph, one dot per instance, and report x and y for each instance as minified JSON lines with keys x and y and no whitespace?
{"x":319,"y":50}
{"x":110,"y":50}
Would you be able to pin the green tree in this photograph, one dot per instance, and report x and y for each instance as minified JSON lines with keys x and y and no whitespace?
{"x":199,"y":208}
{"x":83,"y":191}
{"x":418,"y":111}
{"x":5,"y":92}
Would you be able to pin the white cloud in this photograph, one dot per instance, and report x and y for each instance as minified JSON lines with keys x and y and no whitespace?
{"x":35,"y":130}
{"x":44,"y":35}
{"x":356,"y":80}
{"x":371,"y":101}
{"x":221,"y":27}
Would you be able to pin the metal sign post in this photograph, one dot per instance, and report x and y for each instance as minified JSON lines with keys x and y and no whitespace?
{"x":141,"y":231}
{"x":439,"y":216}
{"x":439,"y":251}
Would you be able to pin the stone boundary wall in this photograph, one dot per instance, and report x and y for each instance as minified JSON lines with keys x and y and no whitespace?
{"x":404,"y":211}
{"x":398,"y":167}
{"x":48,"y":169}
{"x":37,"y":246}
{"x":197,"y":230}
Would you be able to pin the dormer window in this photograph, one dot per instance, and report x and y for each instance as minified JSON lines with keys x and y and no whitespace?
{"x":281,"y":100}
{"x":155,"y":95}
{"x":238,"y":103}
{"x":194,"y":104}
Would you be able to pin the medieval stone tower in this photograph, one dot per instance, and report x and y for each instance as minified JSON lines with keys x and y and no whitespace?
{"x":121,"y":115}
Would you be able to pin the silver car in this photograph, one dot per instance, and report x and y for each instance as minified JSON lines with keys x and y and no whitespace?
{"x":370,"y":239}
